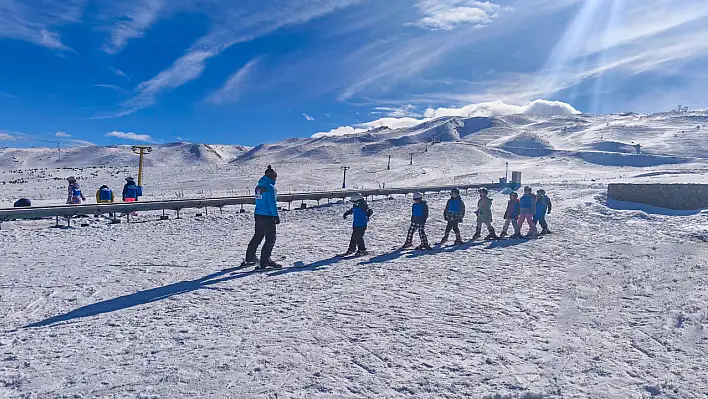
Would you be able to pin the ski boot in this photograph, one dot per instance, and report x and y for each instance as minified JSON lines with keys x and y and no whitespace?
{"x":458,"y":241}
{"x":407,"y":246}
{"x":476,"y":235}
{"x":273,"y":265}
{"x":362,"y":253}
{"x":423,"y":247}
{"x":344,"y":255}
{"x":503,"y":234}
{"x":545,"y":231}
{"x":516,"y":236}
{"x":251,"y":262}
{"x":491,"y":236}
{"x":443,"y":241}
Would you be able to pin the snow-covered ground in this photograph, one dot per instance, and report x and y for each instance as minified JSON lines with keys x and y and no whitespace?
{"x":613,"y":305}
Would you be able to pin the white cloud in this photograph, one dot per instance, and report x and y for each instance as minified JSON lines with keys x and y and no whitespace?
{"x":308,"y":117}
{"x":81,"y":143}
{"x":4,"y":136}
{"x":338,"y":132}
{"x":62,"y":134}
{"x":500,"y":108}
{"x":399,"y":112}
{"x":130,"y":136}
{"x":449,"y":14}
{"x":496,"y":108}
{"x":135,"y":18}
{"x":35,"y":21}
{"x":230,"y":91}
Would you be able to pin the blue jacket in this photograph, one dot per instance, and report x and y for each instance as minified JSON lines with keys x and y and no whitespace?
{"x":420,"y":212}
{"x":266,"y":205}
{"x":454,"y":210}
{"x":130,"y":190}
{"x":361,"y":212}
{"x":543,"y":206}
{"x":528,"y":203}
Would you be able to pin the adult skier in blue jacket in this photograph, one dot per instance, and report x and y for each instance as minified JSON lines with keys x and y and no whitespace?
{"x":361,"y":212}
{"x":419,"y":216}
{"x":266,"y":216}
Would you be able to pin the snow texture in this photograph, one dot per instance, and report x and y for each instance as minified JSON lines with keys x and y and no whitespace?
{"x":612,"y":305}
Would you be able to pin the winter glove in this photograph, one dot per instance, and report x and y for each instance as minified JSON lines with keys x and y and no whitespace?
{"x":447,"y":217}
{"x":506,"y":215}
{"x":276,"y":219}
{"x":345,"y":216}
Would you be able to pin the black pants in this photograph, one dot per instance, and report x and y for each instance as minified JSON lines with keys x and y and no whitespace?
{"x":542,"y":222}
{"x":453,"y":226}
{"x":265,"y":228}
{"x":357,"y":239}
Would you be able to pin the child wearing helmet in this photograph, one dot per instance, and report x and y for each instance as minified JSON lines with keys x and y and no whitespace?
{"x":454,"y":213}
{"x":362,"y":213}
{"x":511,"y":216}
{"x":543,"y":207}
{"x":484,"y":215}
{"x":419,"y":216}
{"x":527,"y":202}
{"x":74,"y":190}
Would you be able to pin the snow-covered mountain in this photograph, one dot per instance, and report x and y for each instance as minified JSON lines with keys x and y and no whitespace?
{"x":614,"y":136}
{"x":172,"y":154}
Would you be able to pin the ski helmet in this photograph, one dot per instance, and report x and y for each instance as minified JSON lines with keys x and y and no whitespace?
{"x":129,"y":179}
{"x":514,"y":194}
{"x":541,"y":192}
{"x":527,"y":188}
{"x":356,"y":197}
{"x":417,"y":196}
{"x":71,"y":179}
{"x":484,"y":191}
{"x":455,"y":191}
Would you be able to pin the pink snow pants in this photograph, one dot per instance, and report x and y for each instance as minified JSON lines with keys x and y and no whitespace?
{"x":528,"y":218}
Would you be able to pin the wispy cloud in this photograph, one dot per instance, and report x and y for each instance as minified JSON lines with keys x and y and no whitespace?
{"x":62,"y":134}
{"x":239,"y":24}
{"x":81,"y":143}
{"x":118,"y":72}
{"x":130,"y":136}
{"x":399,"y":112}
{"x":230,"y":91}
{"x":134,"y":18}
{"x":35,"y":21}
{"x":450,"y":14}
{"x":5,"y":136}
{"x":308,"y":117}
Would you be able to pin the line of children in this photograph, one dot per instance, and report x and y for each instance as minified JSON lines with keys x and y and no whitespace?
{"x":529,"y":208}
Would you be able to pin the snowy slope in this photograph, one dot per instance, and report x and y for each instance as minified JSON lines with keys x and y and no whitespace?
{"x":172,"y":154}
{"x":610,"y":306}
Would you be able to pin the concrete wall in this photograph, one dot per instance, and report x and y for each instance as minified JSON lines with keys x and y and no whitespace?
{"x":669,"y":196}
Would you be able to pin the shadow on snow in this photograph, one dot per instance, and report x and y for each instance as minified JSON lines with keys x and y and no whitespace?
{"x":143,"y":297}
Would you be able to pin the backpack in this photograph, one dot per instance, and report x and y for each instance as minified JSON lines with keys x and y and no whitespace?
{"x":105,"y":194}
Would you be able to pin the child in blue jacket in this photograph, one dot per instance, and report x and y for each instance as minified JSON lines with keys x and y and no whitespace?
{"x":454,"y":213}
{"x":362,"y":213}
{"x":419,"y":216}
{"x":543,"y":207}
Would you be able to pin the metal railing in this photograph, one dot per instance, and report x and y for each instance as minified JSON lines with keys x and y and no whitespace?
{"x":69,"y":211}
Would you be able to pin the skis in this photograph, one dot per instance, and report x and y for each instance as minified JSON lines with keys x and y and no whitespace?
{"x":348,"y":255}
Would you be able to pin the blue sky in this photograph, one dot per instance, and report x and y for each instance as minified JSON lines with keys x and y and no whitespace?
{"x":248,"y":72}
